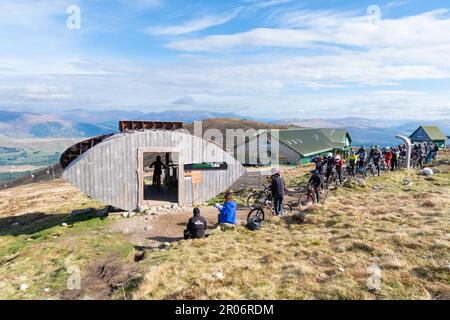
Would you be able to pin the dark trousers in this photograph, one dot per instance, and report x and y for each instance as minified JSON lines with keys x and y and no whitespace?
{"x":278,"y":203}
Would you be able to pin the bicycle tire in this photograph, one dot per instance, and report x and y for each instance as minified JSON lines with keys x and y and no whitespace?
{"x":258,"y":213}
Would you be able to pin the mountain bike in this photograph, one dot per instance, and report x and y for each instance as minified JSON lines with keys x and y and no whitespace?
{"x":310,"y":196}
{"x":257,"y":198}
{"x":370,"y":169}
{"x":258,"y":212}
{"x":331,"y":178}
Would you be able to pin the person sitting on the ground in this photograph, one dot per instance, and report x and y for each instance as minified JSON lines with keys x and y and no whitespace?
{"x":196,"y":226}
{"x":228,"y":210}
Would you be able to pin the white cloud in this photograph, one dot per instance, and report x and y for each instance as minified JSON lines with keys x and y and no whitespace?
{"x":195,"y":24}
{"x":431,"y":28}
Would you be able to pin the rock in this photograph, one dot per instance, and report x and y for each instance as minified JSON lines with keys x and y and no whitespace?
{"x":354,"y":183}
{"x":160,"y":208}
{"x":377,"y":187}
{"x":174,"y":206}
{"x":142,"y":209}
{"x":138,"y":255}
{"x":427,"y":171}
{"x":408,"y":182}
{"x":132,"y":214}
{"x":84,"y":211}
{"x":23,"y":287}
{"x":227,"y":226}
{"x":64,"y":224}
{"x":219,"y":276}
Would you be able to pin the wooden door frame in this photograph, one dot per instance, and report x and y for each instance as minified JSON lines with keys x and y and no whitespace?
{"x":140,"y":171}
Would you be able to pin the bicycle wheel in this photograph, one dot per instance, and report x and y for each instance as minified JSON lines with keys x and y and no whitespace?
{"x":256,"y":213}
{"x":307,"y":198}
{"x":286,"y":209}
{"x":254,"y":200}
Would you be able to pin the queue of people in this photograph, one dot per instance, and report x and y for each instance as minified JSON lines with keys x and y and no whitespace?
{"x":332,"y":166}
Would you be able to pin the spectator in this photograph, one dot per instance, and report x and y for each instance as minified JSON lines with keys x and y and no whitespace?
{"x":228,"y":210}
{"x":196,"y":226}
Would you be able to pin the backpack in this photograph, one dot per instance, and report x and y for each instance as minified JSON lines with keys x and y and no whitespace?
{"x":254,"y":224}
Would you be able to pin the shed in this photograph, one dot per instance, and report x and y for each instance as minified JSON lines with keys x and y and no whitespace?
{"x":115,"y":169}
{"x":429,"y":134}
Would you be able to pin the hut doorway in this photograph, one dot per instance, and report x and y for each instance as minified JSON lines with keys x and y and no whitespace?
{"x":159,"y":178}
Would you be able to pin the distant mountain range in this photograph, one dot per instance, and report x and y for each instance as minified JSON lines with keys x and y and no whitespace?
{"x":85,"y":123}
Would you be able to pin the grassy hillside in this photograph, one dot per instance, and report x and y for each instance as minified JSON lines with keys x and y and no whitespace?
{"x":398,"y":224}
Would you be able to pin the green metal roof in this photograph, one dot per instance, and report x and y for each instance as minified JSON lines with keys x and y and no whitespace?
{"x":433,"y":132}
{"x":337,"y":135}
{"x":308,"y":141}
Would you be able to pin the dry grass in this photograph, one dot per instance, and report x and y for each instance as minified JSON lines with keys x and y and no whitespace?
{"x":403,"y":229}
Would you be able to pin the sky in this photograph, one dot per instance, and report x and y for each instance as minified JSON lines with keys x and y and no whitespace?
{"x":269,"y":58}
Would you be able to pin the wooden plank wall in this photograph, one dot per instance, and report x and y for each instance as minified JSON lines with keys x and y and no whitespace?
{"x":109,"y":171}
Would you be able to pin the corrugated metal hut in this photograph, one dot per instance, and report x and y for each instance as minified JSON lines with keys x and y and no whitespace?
{"x":115,"y":169}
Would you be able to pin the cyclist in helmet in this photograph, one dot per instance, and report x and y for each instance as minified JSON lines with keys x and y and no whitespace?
{"x":362,"y":154}
{"x":316,"y":183}
{"x":352,"y":160}
{"x":388,"y":157}
{"x":376,"y":158}
{"x":339,"y":163}
{"x":330,"y":164}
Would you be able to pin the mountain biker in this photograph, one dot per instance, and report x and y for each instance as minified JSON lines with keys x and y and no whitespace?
{"x":278,"y":188}
{"x":339,"y":163}
{"x":315,"y":182}
{"x":376,"y":158}
{"x":435,"y":151}
{"x":352,"y":160}
{"x":196,"y":226}
{"x":330,"y":164}
{"x":362,"y":155}
{"x":395,"y":157}
{"x":158,"y":164}
{"x":388,"y":157}
{"x":319,"y":164}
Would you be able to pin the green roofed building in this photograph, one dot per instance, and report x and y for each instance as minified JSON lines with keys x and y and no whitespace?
{"x":428,"y":134}
{"x":302,"y":145}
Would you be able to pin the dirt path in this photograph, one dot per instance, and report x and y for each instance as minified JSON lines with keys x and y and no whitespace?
{"x":151,"y":231}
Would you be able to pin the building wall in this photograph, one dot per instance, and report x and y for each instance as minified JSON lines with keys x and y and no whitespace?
{"x":109,"y":172}
{"x":289,"y":156}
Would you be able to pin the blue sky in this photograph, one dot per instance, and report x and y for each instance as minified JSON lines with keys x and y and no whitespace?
{"x":267,"y":58}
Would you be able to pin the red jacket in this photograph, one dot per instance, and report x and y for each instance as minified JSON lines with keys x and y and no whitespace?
{"x":339,"y":164}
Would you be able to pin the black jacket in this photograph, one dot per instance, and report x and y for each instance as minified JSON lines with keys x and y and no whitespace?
{"x":197,"y":226}
{"x":277,"y":186}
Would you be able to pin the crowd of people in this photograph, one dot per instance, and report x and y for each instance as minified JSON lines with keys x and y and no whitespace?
{"x":330,"y":168}
{"x":375,"y":158}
